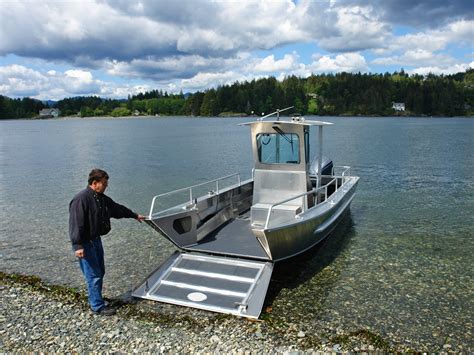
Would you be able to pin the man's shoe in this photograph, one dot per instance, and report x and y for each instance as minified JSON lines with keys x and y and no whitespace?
{"x":105,"y":311}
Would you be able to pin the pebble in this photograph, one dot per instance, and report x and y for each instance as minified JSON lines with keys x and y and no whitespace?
{"x":31,"y":323}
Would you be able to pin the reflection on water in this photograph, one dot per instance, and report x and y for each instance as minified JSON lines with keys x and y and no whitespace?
{"x":298,"y":271}
{"x":400,"y":264}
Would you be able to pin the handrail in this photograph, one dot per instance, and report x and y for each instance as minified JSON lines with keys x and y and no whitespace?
{"x":190,"y":188}
{"x":313,"y":191}
{"x":347,"y":169}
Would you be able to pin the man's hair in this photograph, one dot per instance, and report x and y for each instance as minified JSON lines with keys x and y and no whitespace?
{"x":97,"y":175}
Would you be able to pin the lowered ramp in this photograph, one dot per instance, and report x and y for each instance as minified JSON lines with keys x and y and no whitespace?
{"x":218,"y":284}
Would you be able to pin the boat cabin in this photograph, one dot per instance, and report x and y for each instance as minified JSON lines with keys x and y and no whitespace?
{"x":282,"y":164}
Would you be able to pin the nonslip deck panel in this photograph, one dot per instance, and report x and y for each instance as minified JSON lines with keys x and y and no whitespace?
{"x":179,"y":296}
{"x":219,"y":284}
{"x":235,"y":238}
{"x":227,"y":269}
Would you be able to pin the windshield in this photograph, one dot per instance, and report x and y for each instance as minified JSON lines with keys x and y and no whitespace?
{"x":278,"y":148}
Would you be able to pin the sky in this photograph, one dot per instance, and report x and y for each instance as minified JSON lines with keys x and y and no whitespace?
{"x":114,"y":48}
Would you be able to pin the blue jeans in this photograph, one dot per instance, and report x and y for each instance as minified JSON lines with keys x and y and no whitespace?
{"x":93,"y":268}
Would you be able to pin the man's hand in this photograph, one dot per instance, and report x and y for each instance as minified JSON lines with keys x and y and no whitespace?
{"x":79,"y":253}
{"x":140,"y":218}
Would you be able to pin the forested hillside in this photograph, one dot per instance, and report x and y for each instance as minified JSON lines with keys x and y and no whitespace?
{"x":325,"y":94}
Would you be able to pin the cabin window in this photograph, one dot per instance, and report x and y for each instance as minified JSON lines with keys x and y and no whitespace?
{"x":278,"y":148}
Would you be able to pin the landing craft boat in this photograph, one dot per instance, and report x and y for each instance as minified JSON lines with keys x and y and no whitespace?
{"x":230,"y":238}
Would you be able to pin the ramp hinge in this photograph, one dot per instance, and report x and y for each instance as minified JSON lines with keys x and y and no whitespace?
{"x":242,"y":306}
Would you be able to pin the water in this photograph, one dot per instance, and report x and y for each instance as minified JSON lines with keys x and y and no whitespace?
{"x":399,"y":265}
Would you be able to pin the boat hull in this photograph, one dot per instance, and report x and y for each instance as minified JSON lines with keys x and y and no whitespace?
{"x":310,"y":228}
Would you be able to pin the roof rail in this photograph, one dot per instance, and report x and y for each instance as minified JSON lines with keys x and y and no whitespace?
{"x":277,"y":112}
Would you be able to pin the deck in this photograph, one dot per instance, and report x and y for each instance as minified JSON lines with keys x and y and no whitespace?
{"x":233,"y":238}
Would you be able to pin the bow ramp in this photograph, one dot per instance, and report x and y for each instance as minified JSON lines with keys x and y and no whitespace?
{"x":218,"y":284}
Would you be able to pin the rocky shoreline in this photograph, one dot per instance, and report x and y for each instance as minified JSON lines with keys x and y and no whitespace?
{"x":36,"y":316}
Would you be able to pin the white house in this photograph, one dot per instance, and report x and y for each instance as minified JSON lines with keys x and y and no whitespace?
{"x":49,"y":112}
{"x":398,"y":106}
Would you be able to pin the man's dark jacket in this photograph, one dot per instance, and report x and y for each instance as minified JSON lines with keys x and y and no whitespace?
{"x":89,"y":216}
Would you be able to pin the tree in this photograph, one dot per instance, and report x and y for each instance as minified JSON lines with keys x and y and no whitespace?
{"x":209,"y":104}
{"x":120,"y":112}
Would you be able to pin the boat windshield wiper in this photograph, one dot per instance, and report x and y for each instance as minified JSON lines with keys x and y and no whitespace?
{"x":282,"y":134}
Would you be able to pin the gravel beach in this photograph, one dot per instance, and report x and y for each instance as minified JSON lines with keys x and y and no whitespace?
{"x":40,"y":317}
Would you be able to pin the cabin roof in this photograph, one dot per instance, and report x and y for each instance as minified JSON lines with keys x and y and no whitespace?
{"x":292,"y":122}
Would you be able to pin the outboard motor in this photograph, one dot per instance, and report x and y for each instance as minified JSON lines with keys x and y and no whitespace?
{"x":326,"y":167}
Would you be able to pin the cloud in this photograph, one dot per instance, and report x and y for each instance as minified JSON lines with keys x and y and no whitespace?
{"x":424,"y":49}
{"x":20,"y":81}
{"x":176,"y":67}
{"x":196,"y":44}
{"x":460,"y":32}
{"x":125,"y":31}
{"x":228,"y":26}
{"x":268,"y":64}
{"x":211,"y":80}
{"x":64,"y":30}
{"x":418,"y":13}
{"x":347,"y":62}
{"x":416,"y":57}
{"x":356,"y":29}
{"x":453,"y":69}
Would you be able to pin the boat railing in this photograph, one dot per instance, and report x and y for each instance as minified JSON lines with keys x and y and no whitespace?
{"x":342,"y":170}
{"x":315,"y":191}
{"x":189,"y":189}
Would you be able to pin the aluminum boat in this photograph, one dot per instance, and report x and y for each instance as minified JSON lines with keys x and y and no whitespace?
{"x":229,"y":238}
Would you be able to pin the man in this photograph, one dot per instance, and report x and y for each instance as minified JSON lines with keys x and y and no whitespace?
{"x":89,"y":218}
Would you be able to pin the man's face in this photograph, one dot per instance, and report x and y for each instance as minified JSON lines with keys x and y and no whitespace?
{"x":100,"y":186}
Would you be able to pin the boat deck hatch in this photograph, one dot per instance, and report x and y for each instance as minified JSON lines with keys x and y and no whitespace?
{"x":218,"y":284}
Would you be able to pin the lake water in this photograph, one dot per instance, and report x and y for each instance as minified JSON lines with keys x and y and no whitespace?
{"x":400,"y":264}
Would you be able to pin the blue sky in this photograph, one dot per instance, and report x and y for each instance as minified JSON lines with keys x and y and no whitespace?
{"x":112,"y":48}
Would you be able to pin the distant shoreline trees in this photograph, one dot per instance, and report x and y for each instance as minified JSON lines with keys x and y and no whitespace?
{"x":348,"y":94}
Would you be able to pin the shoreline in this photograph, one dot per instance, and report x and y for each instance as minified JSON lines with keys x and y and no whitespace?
{"x":37,"y":316}
{"x":67,"y":118}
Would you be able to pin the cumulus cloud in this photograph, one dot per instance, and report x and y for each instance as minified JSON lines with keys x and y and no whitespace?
{"x":415,"y":58}
{"x":176,"y":67}
{"x":456,"y":68}
{"x":268,"y":64}
{"x":20,"y":81}
{"x":357,"y":29}
{"x":65,"y":30}
{"x":460,"y":32}
{"x":424,"y":49}
{"x":210,"y":80}
{"x":418,"y":13}
{"x":348,"y":62}
{"x":124,"y":31}
{"x":196,"y":44}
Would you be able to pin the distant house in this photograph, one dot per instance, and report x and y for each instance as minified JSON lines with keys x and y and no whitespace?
{"x":398,"y":106}
{"x":49,"y":113}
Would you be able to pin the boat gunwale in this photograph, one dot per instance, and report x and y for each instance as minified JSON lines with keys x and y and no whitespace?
{"x":306,"y":216}
{"x":346,"y":180}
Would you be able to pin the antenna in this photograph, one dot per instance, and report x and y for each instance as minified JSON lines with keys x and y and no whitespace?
{"x":277,"y":112}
